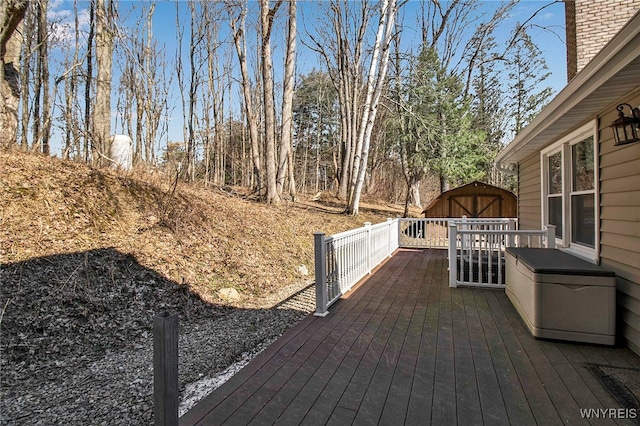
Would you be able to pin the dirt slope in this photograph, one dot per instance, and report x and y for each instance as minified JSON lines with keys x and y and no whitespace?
{"x":89,"y":256}
{"x":203,"y":238}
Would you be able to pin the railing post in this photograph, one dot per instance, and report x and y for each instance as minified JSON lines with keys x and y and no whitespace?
{"x":320,"y":252}
{"x":453,"y":254}
{"x":551,"y":236}
{"x":465,"y":227}
{"x":367,"y":227}
{"x":389,"y":220}
{"x":165,"y":369}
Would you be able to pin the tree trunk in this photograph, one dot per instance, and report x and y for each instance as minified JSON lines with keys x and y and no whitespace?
{"x":43,"y":58}
{"x":71,"y":92}
{"x":266,"y":19}
{"x":374,"y":91}
{"x":194,"y":83}
{"x":88,"y":127}
{"x":414,"y":196}
{"x":104,"y":58}
{"x":25,"y":76}
{"x":11,"y":14}
{"x":239,"y":41}
{"x":287,"y":108}
{"x":41,"y":35}
{"x":152,"y":105}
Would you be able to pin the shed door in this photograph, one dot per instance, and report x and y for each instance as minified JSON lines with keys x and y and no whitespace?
{"x":475,"y":205}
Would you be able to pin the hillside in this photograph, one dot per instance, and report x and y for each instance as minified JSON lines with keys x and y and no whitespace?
{"x":90,"y":255}
{"x":201,"y":237}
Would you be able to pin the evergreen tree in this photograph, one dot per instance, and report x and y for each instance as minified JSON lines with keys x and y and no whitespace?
{"x":490,"y":113}
{"x":434,"y":126}
{"x":527,"y":73}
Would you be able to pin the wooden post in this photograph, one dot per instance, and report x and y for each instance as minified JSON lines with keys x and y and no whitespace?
{"x":165,"y":369}
{"x":320,"y":252}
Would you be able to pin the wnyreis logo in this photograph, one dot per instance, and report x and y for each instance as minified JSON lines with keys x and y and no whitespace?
{"x":609,"y":413}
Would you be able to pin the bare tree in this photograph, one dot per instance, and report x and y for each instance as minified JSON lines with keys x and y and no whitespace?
{"x":11,"y":14}
{"x":375,"y":84}
{"x":25,"y":76}
{"x":72,"y":135}
{"x":286,"y":149}
{"x":42,"y":99}
{"x":238,"y":28}
{"x":267,"y":14}
{"x":344,"y":54}
{"x":88,"y":124}
{"x":213,"y":103}
{"x":105,"y":33}
{"x":189,"y":98}
{"x":144,"y":86}
{"x":342,"y":49}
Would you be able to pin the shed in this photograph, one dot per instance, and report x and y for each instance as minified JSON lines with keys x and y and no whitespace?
{"x":475,"y":199}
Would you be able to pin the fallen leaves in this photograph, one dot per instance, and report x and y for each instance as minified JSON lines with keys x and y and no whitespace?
{"x":88,"y":255}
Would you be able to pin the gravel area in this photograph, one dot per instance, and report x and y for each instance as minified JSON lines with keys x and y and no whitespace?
{"x":84,"y":354}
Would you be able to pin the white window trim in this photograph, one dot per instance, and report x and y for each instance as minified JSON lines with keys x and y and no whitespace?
{"x":564,"y":146}
{"x":557,"y":148}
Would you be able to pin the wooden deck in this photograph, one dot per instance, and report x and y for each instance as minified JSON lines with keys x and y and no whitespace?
{"x":404,"y":348}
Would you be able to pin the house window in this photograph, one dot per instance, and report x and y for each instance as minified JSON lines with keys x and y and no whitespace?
{"x":554,"y":193}
{"x":569,"y":190}
{"x":583,"y":211}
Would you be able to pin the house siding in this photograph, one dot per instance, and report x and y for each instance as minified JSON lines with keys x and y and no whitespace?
{"x":619,"y":217}
{"x":529,"y":205}
{"x":619,"y":168}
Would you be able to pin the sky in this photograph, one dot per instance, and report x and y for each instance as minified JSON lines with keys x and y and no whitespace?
{"x":547,"y":32}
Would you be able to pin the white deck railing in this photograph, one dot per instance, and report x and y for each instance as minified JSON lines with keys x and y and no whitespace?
{"x":476,"y":251}
{"x":341,"y":260}
{"x":424,"y":233}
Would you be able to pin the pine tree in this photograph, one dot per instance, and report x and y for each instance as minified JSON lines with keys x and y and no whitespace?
{"x":527,"y":73}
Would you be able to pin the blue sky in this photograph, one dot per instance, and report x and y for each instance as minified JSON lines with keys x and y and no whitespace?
{"x":549,"y":40}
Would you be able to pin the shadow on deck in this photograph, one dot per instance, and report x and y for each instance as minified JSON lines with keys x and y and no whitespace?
{"x":404,"y":348}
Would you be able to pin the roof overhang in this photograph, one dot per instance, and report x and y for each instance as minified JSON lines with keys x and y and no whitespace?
{"x":612,"y":74}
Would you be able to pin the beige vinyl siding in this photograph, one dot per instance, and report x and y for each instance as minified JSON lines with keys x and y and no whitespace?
{"x":620,"y":222}
{"x":529,"y":207}
{"x":629,"y":313}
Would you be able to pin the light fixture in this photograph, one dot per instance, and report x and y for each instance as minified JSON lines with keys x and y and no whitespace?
{"x":625,"y":129}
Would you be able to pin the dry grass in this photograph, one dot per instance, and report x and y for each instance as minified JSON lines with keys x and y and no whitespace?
{"x":203,"y":238}
{"x":89,"y":256}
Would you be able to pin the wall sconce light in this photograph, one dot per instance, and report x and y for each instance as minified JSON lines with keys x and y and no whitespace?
{"x":625,"y":129}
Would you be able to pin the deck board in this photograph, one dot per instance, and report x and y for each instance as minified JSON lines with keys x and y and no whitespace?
{"x":404,"y":348}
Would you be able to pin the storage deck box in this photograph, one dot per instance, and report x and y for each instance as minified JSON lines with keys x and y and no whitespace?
{"x":560,"y":296}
